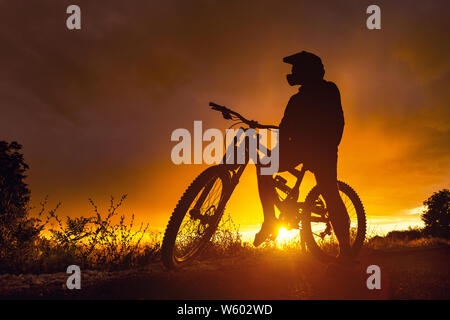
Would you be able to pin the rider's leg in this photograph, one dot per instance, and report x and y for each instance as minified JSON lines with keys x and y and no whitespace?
{"x":267,"y":194}
{"x":326,"y":178}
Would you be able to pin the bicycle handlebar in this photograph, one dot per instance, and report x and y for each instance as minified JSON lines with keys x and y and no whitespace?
{"x":226,"y":113}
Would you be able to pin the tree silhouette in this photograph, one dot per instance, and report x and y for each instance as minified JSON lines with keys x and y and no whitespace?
{"x":17,"y":230}
{"x":437,"y":215}
{"x":14,"y":192}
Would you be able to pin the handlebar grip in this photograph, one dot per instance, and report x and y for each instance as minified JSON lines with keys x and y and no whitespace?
{"x":225,"y":111}
{"x":215,"y":105}
{"x":227,"y":114}
{"x":220,"y":108}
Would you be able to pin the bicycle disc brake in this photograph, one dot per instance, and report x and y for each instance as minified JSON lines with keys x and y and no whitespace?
{"x":204,"y":219}
{"x":319,"y":208}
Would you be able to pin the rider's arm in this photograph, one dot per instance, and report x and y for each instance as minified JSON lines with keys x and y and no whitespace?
{"x":288,"y":122}
{"x":335,"y":118}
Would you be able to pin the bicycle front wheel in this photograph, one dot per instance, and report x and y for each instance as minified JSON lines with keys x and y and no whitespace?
{"x":196,"y":217}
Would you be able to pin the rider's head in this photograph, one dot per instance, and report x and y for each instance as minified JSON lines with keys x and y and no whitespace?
{"x":306,"y":67}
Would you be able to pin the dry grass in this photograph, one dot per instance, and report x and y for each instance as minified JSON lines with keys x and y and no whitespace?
{"x":93,"y":242}
{"x":97,"y":242}
{"x":403,"y":239}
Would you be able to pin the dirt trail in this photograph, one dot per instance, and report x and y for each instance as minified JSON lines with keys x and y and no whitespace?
{"x":407,"y":274}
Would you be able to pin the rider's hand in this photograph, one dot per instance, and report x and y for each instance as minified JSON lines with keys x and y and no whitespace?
{"x":253,"y":124}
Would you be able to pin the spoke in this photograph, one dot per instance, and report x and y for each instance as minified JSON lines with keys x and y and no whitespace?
{"x":328,"y":242}
{"x":193,"y":229}
{"x":216,"y":196}
{"x":346,"y":200}
{"x":318,"y":235}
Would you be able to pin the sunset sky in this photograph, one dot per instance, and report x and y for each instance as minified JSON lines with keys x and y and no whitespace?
{"x":94,"y":109}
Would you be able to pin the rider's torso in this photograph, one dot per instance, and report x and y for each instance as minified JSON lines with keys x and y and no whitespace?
{"x":313,"y":118}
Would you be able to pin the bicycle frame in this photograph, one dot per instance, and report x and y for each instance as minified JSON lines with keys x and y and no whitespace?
{"x":290,"y":208}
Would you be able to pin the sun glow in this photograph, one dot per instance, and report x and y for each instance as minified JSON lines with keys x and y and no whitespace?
{"x":286,"y":236}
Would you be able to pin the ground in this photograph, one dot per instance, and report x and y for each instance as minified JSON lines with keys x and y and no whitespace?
{"x":273,"y":274}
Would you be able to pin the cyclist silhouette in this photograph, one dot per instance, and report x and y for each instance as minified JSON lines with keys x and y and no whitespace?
{"x":310,"y":132}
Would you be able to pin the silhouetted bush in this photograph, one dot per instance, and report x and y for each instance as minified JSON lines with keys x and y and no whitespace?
{"x":226,"y":240}
{"x":410,"y":234}
{"x":437,"y":215}
{"x":92,"y":242}
{"x":18,"y":232}
{"x":96,"y":242}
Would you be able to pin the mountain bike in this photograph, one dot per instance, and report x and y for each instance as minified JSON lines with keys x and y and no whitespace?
{"x":196,"y":217}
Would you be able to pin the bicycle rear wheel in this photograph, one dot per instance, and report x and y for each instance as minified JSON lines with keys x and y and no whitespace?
{"x":318,"y":230}
{"x":195,"y":218}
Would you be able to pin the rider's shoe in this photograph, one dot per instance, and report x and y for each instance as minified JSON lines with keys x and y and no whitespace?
{"x":269,"y":230}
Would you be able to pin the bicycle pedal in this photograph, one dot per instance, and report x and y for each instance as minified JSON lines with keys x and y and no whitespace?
{"x":280,"y":183}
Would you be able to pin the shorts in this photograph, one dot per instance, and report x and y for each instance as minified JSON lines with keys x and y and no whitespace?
{"x":317,"y":160}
